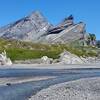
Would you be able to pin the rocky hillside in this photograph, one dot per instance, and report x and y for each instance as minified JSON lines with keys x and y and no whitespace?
{"x":19,"y":50}
{"x":36,"y":28}
{"x":29,"y":28}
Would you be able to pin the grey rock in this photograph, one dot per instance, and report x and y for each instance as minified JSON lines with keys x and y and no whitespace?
{"x":36,"y":28}
{"x":62,"y":26}
{"x":68,"y":58}
{"x":46,"y":60}
{"x":4,"y":60}
{"x":29,"y":28}
{"x":72,"y":33}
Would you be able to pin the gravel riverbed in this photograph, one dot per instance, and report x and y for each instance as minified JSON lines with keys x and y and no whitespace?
{"x":82,"y":89}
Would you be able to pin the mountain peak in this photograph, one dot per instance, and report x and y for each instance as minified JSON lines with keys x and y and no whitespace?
{"x":28,"y":28}
{"x":36,"y":14}
{"x":36,"y":28}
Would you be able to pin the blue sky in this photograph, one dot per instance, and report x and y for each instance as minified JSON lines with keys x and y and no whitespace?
{"x":87,"y":11}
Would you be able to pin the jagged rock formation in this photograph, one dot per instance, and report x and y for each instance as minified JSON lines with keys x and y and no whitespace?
{"x":35,"y":28}
{"x":46,"y":60}
{"x":65,"y":32}
{"x":4,"y":60}
{"x":72,"y":33}
{"x":28,"y":28}
{"x":62,"y":26}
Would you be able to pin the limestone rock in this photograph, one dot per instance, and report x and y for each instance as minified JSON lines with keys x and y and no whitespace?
{"x":68,"y":58}
{"x":4,"y":60}
{"x":29,"y":28}
{"x":46,"y":60}
{"x":69,"y":34}
{"x":62,"y":26}
{"x":36,"y":28}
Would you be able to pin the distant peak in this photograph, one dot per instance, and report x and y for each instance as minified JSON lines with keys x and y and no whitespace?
{"x":36,"y":13}
{"x":69,"y":18}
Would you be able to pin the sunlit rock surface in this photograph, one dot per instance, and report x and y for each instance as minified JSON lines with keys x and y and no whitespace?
{"x":36,"y":28}
{"x":29,"y":28}
{"x":4,"y":60}
{"x":68,"y":58}
{"x":46,"y":60}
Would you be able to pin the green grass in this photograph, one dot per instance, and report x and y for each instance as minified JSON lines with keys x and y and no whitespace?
{"x":23,"y":54}
{"x":18,"y":50}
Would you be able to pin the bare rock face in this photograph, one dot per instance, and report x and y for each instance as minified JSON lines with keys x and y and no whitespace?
{"x":68,"y":58}
{"x":66,"y":32}
{"x":72,"y":33}
{"x":46,"y":60}
{"x":36,"y":28}
{"x":29,"y":28}
{"x":62,"y":26}
{"x":4,"y":60}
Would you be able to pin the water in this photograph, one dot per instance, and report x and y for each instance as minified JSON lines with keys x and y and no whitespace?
{"x":23,"y":91}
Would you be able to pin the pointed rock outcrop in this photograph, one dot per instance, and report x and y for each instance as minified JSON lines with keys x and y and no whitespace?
{"x":36,"y":28}
{"x":29,"y":28}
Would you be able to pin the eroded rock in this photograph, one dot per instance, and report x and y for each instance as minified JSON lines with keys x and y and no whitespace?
{"x":46,"y":60}
{"x":4,"y":60}
{"x":68,"y":58}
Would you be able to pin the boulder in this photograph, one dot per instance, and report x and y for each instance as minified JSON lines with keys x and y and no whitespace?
{"x":4,"y":60}
{"x":68,"y":58}
{"x":62,"y":26}
{"x":46,"y":60}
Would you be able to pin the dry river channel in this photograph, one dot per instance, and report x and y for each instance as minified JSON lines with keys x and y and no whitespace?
{"x":22,"y":83}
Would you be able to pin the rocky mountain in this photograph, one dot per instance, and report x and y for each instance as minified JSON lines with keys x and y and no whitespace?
{"x":29,"y":28}
{"x":71,"y":33}
{"x":66,"y":31}
{"x":36,"y":28}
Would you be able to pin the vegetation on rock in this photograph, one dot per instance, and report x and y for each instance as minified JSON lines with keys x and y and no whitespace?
{"x":18,"y":50}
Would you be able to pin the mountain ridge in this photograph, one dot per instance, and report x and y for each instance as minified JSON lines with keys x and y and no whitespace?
{"x":24,"y":27}
{"x":36,"y":28}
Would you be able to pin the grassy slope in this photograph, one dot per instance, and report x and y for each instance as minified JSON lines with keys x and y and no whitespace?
{"x":18,"y":50}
